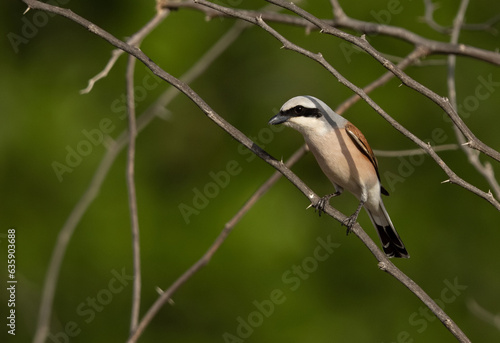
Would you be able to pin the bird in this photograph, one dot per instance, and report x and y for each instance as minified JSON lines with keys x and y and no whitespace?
{"x":347,"y":160}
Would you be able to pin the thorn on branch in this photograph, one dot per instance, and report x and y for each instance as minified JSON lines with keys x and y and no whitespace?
{"x":382,"y":266}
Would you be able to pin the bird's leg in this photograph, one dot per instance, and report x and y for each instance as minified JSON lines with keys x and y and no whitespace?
{"x":350,"y":221}
{"x":320,"y":206}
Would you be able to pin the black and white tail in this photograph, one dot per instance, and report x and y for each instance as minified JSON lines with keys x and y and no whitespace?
{"x":391,"y":243}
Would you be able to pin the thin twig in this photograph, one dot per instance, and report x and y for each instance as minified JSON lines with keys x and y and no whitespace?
{"x":161,"y":14}
{"x":414,"y":152}
{"x":486,"y":169}
{"x":483,"y":314}
{"x":203,"y":261}
{"x":132,"y":197}
{"x":343,"y":21}
{"x":430,"y":8}
{"x":413,"y":57}
{"x":63,"y":238}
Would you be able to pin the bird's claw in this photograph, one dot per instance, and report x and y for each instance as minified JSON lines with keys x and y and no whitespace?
{"x":349,"y":223}
{"x":322,"y":202}
{"x":320,"y":205}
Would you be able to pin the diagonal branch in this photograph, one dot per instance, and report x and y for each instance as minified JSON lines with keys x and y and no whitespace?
{"x":343,"y":21}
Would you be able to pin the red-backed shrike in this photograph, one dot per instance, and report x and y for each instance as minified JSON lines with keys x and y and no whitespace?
{"x":346,"y":159}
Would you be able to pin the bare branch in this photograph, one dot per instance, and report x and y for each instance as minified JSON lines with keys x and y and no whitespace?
{"x":161,"y":14}
{"x":132,"y":198}
{"x":413,"y":57}
{"x":65,"y":234}
{"x":343,"y":21}
{"x":431,"y":7}
{"x":413,"y":152}
{"x":338,"y":11}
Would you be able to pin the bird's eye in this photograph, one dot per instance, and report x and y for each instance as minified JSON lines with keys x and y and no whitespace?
{"x":298,"y":109}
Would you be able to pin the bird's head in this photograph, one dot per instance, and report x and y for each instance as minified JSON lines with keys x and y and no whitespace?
{"x":308,"y":115}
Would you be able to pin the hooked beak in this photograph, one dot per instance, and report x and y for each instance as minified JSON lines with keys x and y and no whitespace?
{"x":278,"y":119}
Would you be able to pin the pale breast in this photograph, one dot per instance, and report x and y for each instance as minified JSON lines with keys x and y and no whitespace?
{"x":342,"y":162}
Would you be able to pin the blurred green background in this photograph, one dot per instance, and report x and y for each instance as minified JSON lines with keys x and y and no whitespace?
{"x":451,"y":234}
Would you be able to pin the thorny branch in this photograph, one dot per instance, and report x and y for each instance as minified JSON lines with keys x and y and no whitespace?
{"x":342,"y":21}
{"x":423,"y":47}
